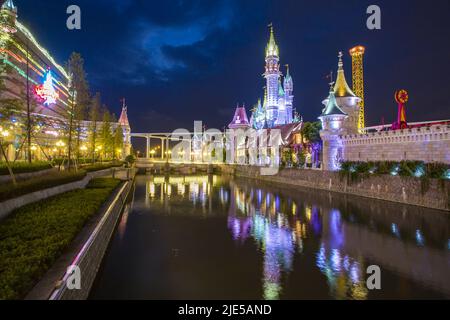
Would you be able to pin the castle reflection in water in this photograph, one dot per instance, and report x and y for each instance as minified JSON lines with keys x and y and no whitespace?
{"x":345,"y":235}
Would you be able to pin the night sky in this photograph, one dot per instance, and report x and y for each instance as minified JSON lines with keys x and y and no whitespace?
{"x":178,"y":61}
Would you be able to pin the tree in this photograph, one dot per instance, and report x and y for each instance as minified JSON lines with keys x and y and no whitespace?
{"x":117,"y":140}
{"x":311,"y":132}
{"x":8,"y":107}
{"x":94,"y":115}
{"x":105,"y":132}
{"x":79,"y":97}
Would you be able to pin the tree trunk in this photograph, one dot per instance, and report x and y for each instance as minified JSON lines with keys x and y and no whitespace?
{"x":8,"y":165}
{"x":69,"y":145}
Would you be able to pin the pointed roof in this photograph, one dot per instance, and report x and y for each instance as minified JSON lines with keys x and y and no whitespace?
{"x":341,"y":88}
{"x":123,"y":120}
{"x":288,"y":75}
{"x":272,"y":47}
{"x":9,"y":5}
{"x":240,"y":119}
{"x":280,"y":88}
{"x":332,"y":107}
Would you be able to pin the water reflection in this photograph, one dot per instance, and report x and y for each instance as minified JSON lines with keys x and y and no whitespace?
{"x":279,"y":236}
{"x":303,"y":242}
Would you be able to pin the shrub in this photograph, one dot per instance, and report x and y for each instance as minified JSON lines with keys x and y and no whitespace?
{"x":437,"y":170}
{"x":24,"y":167}
{"x":34,"y":236}
{"x":408,"y":168}
{"x":100,"y":166}
{"x":10,"y":191}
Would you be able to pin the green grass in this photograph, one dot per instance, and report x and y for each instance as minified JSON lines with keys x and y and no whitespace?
{"x":9,"y":191}
{"x":24,"y":167}
{"x":34,"y":236}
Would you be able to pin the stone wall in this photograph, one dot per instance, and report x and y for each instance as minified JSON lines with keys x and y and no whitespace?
{"x":407,"y":190}
{"x":428,"y":144}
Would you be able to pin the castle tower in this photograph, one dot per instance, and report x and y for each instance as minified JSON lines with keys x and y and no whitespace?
{"x":346,"y":99}
{"x":289,"y":98}
{"x":281,"y":119}
{"x":333,"y":119}
{"x":123,"y":121}
{"x":240,"y":120}
{"x":272,"y":76}
{"x":8,"y":17}
{"x":357,"y":54}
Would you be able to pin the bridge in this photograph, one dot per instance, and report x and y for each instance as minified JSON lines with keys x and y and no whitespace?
{"x":164,"y":140}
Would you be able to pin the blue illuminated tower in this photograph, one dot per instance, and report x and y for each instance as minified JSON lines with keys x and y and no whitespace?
{"x":272,"y":76}
{"x":289,"y":98}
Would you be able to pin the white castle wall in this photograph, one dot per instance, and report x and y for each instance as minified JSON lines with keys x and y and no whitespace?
{"x":429,"y":144}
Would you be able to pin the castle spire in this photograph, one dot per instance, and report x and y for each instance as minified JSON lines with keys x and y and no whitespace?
{"x":272,"y":48}
{"x":123,"y":120}
{"x":341,"y":88}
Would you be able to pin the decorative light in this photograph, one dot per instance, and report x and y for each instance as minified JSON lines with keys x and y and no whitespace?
{"x":46,"y":91}
{"x":420,"y":171}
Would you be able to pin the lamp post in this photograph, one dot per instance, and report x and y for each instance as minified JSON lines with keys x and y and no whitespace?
{"x":60,"y":145}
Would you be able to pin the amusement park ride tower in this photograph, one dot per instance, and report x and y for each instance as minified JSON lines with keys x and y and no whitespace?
{"x":357,"y":54}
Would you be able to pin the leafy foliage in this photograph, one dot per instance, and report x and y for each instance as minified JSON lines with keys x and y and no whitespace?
{"x":416,"y":169}
{"x":37,"y":234}
{"x":10,"y":191}
{"x":24,"y":167}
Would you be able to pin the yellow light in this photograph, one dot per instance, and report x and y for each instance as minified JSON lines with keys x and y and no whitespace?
{"x":5,"y":133}
{"x":83,"y":148}
{"x":33,"y":148}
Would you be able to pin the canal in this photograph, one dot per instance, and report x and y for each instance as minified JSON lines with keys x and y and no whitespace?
{"x":212,"y":237}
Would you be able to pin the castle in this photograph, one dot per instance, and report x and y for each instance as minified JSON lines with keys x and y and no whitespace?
{"x":343,"y":140}
{"x":344,"y":135}
{"x":277,"y":107}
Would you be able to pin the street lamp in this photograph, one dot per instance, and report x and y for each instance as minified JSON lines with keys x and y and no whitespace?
{"x":60,"y":144}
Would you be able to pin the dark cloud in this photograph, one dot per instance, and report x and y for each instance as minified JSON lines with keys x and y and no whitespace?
{"x":178,"y":61}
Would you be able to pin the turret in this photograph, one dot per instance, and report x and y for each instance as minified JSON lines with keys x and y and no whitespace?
{"x":289,"y":98}
{"x":346,"y":99}
{"x":272,"y":75}
{"x":332,"y":118}
{"x":240,"y":120}
{"x":124,"y":123}
{"x":259,"y":117}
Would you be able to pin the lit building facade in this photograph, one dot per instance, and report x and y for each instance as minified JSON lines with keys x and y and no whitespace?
{"x":32,"y":79}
